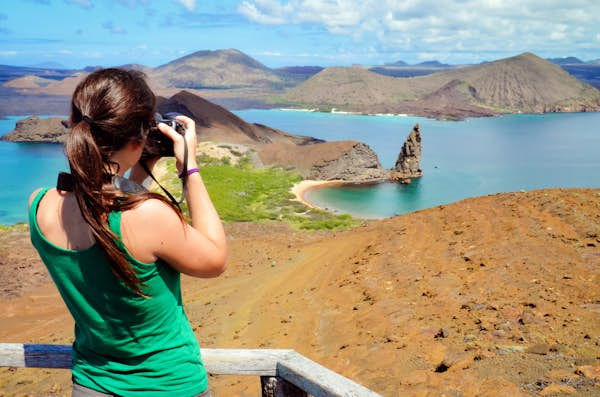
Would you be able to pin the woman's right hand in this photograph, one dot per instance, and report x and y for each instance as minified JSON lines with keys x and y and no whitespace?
{"x":178,"y":140}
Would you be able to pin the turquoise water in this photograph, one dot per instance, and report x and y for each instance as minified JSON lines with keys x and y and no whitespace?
{"x":460,"y":159}
{"x":23,"y":168}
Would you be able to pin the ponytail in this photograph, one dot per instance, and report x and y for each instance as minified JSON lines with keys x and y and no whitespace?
{"x":107,"y":110}
{"x":88,"y":171}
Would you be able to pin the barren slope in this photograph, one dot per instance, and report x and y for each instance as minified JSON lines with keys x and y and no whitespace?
{"x":491,"y":296}
{"x":216,"y":69}
{"x":524,"y":83}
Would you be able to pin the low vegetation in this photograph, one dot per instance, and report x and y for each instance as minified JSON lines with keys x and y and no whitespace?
{"x":244,"y":193}
{"x":17,"y":227}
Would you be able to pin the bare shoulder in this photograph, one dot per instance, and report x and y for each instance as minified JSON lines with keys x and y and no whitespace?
{"x":153,"y":212}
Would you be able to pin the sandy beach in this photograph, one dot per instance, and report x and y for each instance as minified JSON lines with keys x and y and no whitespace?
{"x":301,"y":188}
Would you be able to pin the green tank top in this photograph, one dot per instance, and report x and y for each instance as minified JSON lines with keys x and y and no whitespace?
{"x":125,"y":344}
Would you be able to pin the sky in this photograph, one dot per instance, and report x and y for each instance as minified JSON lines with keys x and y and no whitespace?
{"x":79,"y":33}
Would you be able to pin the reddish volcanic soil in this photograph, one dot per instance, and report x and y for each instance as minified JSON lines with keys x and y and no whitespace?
{"x":491,"y":296}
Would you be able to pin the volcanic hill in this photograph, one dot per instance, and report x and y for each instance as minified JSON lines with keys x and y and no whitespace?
{"x":524,"y":83}
{"x":218,"y":124}
{"x":221,"y":69}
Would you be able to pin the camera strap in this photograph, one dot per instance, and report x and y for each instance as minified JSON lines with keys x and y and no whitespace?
{"x":183,"y":178}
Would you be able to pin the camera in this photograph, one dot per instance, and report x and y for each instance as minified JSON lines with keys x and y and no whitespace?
{"x":157,"y":143}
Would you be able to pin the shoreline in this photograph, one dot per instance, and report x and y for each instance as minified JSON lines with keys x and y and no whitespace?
{"x":301,"y":188}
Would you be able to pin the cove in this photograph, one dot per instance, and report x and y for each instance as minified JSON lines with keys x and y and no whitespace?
{"x":474,"y":157}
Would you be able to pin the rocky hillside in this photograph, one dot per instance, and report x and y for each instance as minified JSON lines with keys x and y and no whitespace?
{"x":524,"y":83}
{"x":29,"y":81}
{"x":32,"y":85}
{"x":490,"y":296}
{"x":216,"y":69}
{"x":37,"y":129}
{"x":339,"y":160}
{"x":218,"y":124}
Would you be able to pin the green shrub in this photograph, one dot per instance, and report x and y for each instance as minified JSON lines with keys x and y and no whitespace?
{"x":244,"y":193}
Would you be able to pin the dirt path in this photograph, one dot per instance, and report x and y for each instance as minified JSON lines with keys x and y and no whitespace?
{"x":492,"y":296}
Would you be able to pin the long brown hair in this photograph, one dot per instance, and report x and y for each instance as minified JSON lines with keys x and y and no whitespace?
{"x":109,"y":108}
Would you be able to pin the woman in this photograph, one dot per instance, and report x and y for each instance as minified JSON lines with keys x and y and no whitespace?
{"x":116,"y":257}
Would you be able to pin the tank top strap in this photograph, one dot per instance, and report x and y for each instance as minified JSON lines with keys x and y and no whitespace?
{"x":34,"y":205}
{"x":114,"y":223}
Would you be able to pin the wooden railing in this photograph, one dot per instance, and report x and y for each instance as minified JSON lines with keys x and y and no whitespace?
{"x":283,"y":373}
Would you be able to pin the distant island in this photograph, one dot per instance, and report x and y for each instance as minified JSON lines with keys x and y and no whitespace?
{"x":315,"y":159}
{"x":521,"y":84}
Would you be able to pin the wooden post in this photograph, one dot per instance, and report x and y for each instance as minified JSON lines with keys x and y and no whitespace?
{"x":274,"y":386}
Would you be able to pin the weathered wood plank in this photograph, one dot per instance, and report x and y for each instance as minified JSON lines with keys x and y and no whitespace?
{"x":305,"y":374}
{"x":318,"y":380}
{"x":47,"y":356}
{"x":12,"y":355}
{"x":35,"y":356}
{"x":261,"y":362}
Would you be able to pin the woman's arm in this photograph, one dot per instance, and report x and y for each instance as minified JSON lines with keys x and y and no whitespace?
{"x":153,"y":230}
{"x":200,"y":249}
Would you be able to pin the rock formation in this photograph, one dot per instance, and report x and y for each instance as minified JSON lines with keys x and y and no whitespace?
{"x":339,"y":160}
{"x":408,"y":164}
{"x":37,"y":129}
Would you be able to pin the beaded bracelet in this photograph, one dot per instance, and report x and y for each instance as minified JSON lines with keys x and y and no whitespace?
{"x":188,"y":172}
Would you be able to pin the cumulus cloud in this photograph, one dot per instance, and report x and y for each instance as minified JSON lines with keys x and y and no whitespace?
{"x":133,"y":3}
{"x":268,"y":12}
{"x":442,"y":26}
{"x":112,"y":28}
{"x":81,"y":3}
{"x":189,"y":4}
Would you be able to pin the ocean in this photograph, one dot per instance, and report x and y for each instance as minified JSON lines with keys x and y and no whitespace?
{"x":461,"y":159}
{"x":474,"y":157}
{"x":25,"y":167}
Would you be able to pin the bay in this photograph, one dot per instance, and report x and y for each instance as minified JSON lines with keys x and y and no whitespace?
{"x":460,"y":159}
{"x":474,"y":157}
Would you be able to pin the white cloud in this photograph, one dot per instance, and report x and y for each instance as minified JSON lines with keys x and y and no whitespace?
{"x":8,"y":53}
{"x":270,"y":53}
{"x":114,"y":29}
{"x":133,"y":3}
{"x":443,"y":26}
{"x":266,"y":12}
{"x":189,"y":4}
{"x":81,"y":3}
